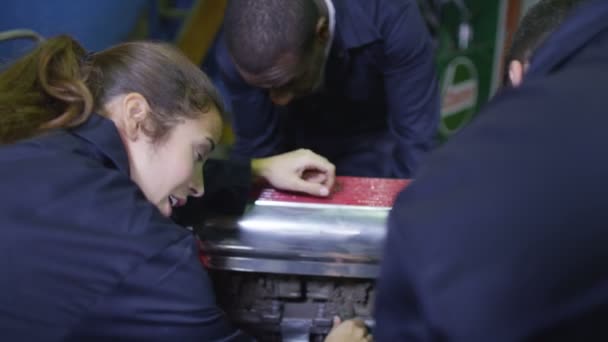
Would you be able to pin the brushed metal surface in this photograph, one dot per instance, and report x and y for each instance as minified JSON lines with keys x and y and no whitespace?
{"x":323,"y":240}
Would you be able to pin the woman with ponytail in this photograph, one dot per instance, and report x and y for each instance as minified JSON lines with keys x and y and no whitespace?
{"x":96,"y":150}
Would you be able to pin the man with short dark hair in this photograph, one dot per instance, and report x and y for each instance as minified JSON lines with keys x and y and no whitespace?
{"x":353,"y":80}
{"x":540,"y":20}
{"x":502,"y":237}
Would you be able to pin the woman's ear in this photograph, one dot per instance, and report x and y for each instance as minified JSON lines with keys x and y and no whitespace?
{"x":135,"y":109}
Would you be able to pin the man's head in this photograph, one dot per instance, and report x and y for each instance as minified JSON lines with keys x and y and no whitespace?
{"x":542,"y":19}
{"x":278,"y":45}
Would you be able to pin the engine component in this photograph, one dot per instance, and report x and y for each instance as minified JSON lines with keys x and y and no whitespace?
{"x":291,"y":263}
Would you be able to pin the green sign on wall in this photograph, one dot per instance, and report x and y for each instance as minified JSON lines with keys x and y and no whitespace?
{"x":467,"y":70}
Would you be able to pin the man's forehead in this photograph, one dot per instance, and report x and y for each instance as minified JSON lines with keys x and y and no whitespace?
{"x":284,"y":70}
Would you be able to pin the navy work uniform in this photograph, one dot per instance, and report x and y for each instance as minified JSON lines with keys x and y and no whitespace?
{"x":84,"y":256}
{"x":503,"y":236}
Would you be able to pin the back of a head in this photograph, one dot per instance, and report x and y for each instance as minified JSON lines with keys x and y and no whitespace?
{"x":540,"y":20}
{"x":258,"y":32}
{"x":59,"y":84}
{"x":173,"y":86}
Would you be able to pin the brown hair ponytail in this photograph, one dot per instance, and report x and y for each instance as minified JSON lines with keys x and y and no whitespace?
{"x":44,"y":90}
{"x":58,"y":85}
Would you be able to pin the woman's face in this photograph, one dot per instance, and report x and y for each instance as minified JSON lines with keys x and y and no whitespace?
{"x":170,"y":170}
{"x":173,"y":170}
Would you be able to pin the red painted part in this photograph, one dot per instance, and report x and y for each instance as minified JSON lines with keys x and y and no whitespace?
{"x":355,"y":191}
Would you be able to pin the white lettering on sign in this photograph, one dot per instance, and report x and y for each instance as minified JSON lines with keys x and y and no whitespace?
{"x":459,"y":97}
{"x":459,"y":92}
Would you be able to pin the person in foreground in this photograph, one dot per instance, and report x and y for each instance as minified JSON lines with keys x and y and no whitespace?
{"x":97,"y":150}
{"x":502,"y":236}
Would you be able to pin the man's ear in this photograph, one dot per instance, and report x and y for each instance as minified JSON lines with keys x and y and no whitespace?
{"x":136,"y":110}
{"x":322,"y":30}
{"x":516,"y":72}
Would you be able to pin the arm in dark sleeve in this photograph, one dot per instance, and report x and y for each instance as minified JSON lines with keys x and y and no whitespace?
{"x":255,"y":120}
{"x":398,"y":312}
{"x":117,"y":267}
{"x":169,"y":297}
{"x":412,"y":93}
{"x":227,"y":187}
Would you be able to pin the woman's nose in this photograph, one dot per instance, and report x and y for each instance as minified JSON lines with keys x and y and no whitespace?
{"x":197,"y":187}
{"x":197,"y":191}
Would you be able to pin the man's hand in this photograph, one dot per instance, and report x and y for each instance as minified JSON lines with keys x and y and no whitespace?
{"x":353,"y":330}
{"x":301,"y":170}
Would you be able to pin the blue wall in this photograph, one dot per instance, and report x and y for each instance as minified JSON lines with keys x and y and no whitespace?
{"x":95,"y":23}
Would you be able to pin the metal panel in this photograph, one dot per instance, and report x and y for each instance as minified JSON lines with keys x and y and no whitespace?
{"x":323,"y":240}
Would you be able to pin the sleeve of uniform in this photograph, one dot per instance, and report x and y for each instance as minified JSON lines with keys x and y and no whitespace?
{"x":412,"y":93}
{"x":168,"y":297}
{"x":397,"y":313}
{"x":142,"y":269}
{"x":255,"y":120}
